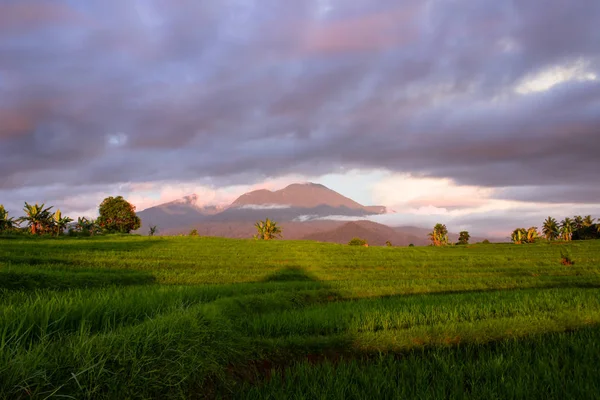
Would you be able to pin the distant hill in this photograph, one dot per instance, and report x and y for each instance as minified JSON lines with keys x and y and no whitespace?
{"x":292,"y":230}
{"x":375,"y":234}
{"x":177,"y":214}
{"x":423,"y":232}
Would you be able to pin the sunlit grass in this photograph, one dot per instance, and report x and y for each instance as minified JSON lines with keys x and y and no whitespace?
{"x":133,"y":317}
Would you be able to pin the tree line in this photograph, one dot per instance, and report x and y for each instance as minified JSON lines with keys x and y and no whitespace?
{"x":116,"y":215}
{"x":576,"y":228}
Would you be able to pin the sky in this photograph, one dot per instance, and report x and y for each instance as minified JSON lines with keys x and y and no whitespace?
{"x":481,"y":114}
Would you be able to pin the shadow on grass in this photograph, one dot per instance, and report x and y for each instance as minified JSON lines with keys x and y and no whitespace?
{"x":292,"y":274}
{"x":67,"y":245}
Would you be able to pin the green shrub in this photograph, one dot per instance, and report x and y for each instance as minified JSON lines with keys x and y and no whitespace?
{"x":357,"y":242}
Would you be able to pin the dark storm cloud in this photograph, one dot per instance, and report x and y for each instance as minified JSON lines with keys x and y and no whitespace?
{"x":96,"y":93}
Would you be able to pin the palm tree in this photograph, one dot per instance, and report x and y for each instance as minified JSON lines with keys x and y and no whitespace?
{"x":38,"y":218}
{"x":60,"y":222}
{"x":577,"y":222}
{"x":439,"y":235}
{"x":566,"y":228}
{"x":267,"y":230}
{"x":6,"y":222}
{"x":519,"y":235}
{"x":588,"y":221}
{"x":152,"y":231}
{"x":550,"y":228}
{"x":532,"y":234}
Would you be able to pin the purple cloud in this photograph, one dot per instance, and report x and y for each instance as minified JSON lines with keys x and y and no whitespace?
{"x":96,"y":93}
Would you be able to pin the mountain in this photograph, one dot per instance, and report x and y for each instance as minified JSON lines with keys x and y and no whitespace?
{"x":374,"y":233}
{"x":302,"y":195}
{"x":178,"y":213}
{"x":296,"y":202}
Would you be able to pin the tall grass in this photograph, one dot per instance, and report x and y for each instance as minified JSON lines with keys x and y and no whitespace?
{"x":133,"y":317}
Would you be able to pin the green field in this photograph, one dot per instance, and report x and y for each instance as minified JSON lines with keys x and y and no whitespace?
{"x":182,"y":317}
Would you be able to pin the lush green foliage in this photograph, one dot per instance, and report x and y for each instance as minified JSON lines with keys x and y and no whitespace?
{"x":576,"y":228}
{"x":6,"y":223}
{"x":439,"y":235}
{"x":38,"y":218}
{"x":117,"y":215}
{"x":158,"y":317}
{"x":463,"y":237}
{"x":519,"y":236}
{"x":267,"y":230}
{"x":550,"y":228}
{"x":357,"y":242}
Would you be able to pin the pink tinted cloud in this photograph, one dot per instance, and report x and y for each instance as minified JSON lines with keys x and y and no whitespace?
{"x":372,"y":32}
{"x":25,"y":14}
{"x":14,"y":123}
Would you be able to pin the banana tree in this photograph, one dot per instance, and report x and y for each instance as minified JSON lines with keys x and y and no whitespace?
{"x":267,"y":230}
{"x":439,"y":235}
{"x":532,"y":234}
{"x":38,"y":218}
{"x":6,"y":223}
{"x":566,"y":229}
{"x":519,"y":235}
{"x":60,"y":222}
{"x":87,"y":226}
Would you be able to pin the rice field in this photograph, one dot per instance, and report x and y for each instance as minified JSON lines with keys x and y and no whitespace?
{"x":191,"y":317}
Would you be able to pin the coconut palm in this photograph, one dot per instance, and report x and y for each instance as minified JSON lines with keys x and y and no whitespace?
{"x":38,"y":218}
{"x":439,"y":235}
{"x":152,"y":231}
{"x":567,"y":226}
{"x":519,"y":235}
{"x":6,"y":223}
{"x":550,"y":228}
{"x":588,"y":221}
{"x":267,"y":230}
{"x":577,"y":222}
{"x":60,"y":222}
{"x":532,"y":234}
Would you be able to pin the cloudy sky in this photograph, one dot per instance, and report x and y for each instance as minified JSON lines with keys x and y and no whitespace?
{"x":483,"y":114}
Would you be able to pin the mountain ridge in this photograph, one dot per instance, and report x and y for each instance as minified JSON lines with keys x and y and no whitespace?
{"x":295,"y":202}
